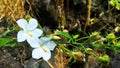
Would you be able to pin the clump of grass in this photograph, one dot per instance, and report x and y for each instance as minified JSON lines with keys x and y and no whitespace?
{"x":12,"y":9}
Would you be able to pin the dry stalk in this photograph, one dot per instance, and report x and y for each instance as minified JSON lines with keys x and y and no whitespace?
{"x":60,"y":59}
{"x":60,"y":12}
{"x":12,"y":9}
{"x":88,"y":14}
{"x":51,"y":66}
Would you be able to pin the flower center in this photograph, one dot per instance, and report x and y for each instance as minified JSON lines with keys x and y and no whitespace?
{"x":45,"y":50}
{"x":30,"y":34}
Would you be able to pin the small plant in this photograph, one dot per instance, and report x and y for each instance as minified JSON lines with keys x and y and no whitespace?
{"x":110,"y":41}
{"x":80,"y":46}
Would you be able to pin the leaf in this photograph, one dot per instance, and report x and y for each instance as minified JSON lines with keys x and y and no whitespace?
{"x":76,"y":36}
{"x":4,"y":41}
{"x":118,"y":6}
{"x":118,"y":44}
{"x":65,"y":35}
{"x":96,"y":45}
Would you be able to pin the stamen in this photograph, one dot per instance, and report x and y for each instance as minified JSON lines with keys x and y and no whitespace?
{"x":45,"y":50}
{"x":31,"y":35}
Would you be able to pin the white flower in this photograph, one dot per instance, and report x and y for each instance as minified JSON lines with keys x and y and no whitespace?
{"x":30,"y":31}
{"x":43,"y":49}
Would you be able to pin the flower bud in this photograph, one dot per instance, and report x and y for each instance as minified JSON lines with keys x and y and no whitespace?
{"x":105,"y":59}
{"x":79,"y":56}
{"x":111,"y":36}
{"x":117,"y":29}
{"x":56,"y":37}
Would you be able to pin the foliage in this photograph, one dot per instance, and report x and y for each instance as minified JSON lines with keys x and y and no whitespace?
{"x":110,"y":41}
{"x":5,"y":41}
{"x":115,"y":3}
{"x":79,"y":48}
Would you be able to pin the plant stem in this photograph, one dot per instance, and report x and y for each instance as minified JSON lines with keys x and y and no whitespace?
{"x":82,"y":38}
{"x":88,"y":14}
{"x":50,"y":64}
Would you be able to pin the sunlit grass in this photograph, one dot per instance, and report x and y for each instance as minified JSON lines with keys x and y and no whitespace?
{"x":12,"y":9}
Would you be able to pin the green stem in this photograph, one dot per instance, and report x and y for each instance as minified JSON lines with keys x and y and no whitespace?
{"x":65,"y":49}
{"x":82,"y":38}
{"x":40,"y":26}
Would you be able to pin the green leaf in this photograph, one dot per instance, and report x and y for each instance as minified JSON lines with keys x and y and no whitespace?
{"x":4,"y":41}
{"x":65,"y":35}
{"x":76,"y":36}
{"x":115,"y":3}
{"x":118,"y":44}
{"x":118,"y":6}
{"x":96,"y":45}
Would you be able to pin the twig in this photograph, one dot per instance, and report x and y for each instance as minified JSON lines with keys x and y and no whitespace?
{"x":50,"y":64}
{"x":88,"y":15}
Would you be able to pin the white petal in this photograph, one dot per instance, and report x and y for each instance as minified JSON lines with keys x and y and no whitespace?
{"x":34,"y":42}
{"x":21,"y":36}
{"x":32,"y":24}
{"x":36,"y":53}
{"x":22,"y":23}
{"x":46,"y":54}
{"x":50,"y":45}
{"x":37,"y":32}
{"x":44,"y":40}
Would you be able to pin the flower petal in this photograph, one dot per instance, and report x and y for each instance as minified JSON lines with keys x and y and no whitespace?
{"x":21,"y":36}
{"x":22,"y":23}
{"x":32,"y":24}
{"x":44,"y":40}
{"x":37,"y":32}
{"x":36,"y":53}
{"x":46,"y":54}
{"x":34,"y":42}
{"x":50,"y":45}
